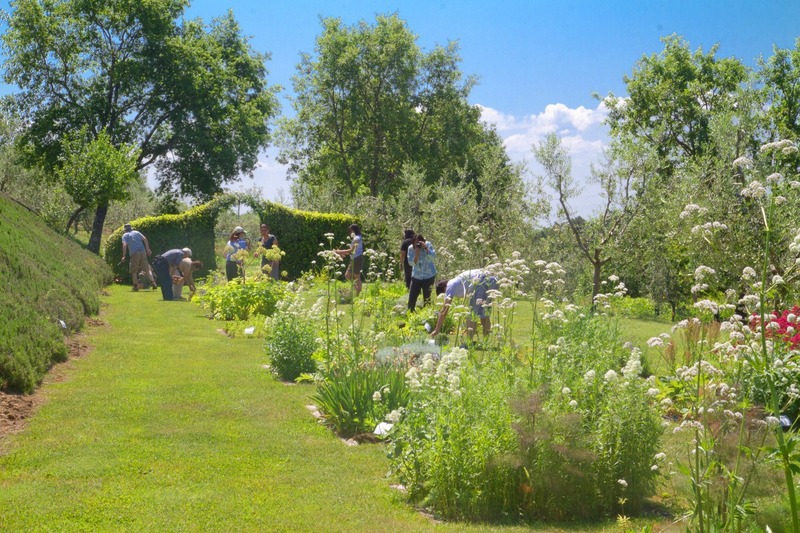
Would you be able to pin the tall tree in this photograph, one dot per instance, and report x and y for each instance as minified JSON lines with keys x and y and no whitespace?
{"x":94,"y":171}
{"x":193,"y":99}
{"x":623,"y":179}
{"x":780,"y":77}
{"x":672,"y":97}
{"x":369,"y":101}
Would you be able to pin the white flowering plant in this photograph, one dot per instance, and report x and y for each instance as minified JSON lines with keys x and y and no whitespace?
{"x":291,"y":339}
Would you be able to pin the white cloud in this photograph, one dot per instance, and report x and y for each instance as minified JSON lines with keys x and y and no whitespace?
{"x":269,"y":176}
{"x":582,"y":133}
{"x":501,"y":122}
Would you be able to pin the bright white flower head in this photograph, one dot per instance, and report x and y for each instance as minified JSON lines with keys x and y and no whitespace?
{"x":754,"y":190}
{"x":623,"y":483}
{"x":743,"y":162}
{"x":633,"y":368}
{"x":775,"y":177}
{"x":707,"y":305}
{"x":655,"y":342}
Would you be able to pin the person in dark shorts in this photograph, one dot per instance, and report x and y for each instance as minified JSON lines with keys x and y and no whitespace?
{"x":356,"y":253}
{"x":421,"y":255}
{"x":473,"y":283}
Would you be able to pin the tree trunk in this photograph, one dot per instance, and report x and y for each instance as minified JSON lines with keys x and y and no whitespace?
{"x":97,"y":228}
{"x":598,"y":265}
{"x":74,"y":219}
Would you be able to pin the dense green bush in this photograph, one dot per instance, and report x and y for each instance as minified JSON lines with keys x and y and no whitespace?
{"x":291,"y":341}
{"x":49,"y":285}
{"x":571,"y":436}
{"x":643,"y":308}
{"x":238,"y":301}
{"x":301,"y":232}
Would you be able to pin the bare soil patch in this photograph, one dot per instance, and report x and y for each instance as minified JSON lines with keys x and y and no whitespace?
{"x":17,"y":409}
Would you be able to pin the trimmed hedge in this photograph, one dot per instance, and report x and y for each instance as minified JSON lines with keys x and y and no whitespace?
{"x":46,"y":279}
{"x":299,"y":233}
{"x":193,"y":228}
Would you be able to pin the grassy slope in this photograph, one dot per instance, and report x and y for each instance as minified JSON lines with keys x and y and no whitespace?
{"x":168,"y":425}
{"x":45,"y":278}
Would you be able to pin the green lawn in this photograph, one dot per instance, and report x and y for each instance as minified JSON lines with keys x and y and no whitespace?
{"x":167,"y":425}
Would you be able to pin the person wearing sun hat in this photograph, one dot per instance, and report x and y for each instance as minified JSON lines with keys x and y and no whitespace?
{"x":236,"y":242}
{"x":166,"y":266}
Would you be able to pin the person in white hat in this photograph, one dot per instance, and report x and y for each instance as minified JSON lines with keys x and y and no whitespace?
{"x":236,"y":242}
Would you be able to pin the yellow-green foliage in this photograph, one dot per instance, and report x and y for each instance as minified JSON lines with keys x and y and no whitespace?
{"x":193,"y":229}
{"x":45,"y":278}
{"x":300,"y":232}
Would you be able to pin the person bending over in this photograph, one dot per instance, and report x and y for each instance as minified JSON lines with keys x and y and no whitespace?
{"x":473,"y":283}
{"x":166,"y":266}
{"x":138,"y":250}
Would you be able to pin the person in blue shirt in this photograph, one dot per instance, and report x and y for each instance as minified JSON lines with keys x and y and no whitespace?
{"x":236,"y":242}
{"x":423,"y":271}
{"x":138,"y":249}
{"x":356,"y":253}
{"x":476,"y":284}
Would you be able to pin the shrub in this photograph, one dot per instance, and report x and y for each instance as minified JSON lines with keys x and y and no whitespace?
{"x":569,"y":437}
{"x":355,"y":400}
{"x":452,"y":445}
{"x":300,"y":232}
{"x":291,"y":342}
{"x":642,"y":308}
{"x":238,"y":301}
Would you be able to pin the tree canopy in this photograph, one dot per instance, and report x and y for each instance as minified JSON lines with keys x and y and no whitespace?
{"x":192,"y":98}
{"x":369,"y":101}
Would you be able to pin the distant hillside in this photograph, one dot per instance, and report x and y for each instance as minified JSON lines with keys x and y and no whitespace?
{"x":48,"y":284}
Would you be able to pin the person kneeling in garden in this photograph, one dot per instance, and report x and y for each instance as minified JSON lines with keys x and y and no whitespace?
{"x":474,"y":283}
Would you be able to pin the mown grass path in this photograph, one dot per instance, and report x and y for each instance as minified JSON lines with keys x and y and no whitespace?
{"x":167,"y":425}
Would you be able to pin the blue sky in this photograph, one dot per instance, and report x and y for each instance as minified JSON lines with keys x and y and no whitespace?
{"x":538,"y":62}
